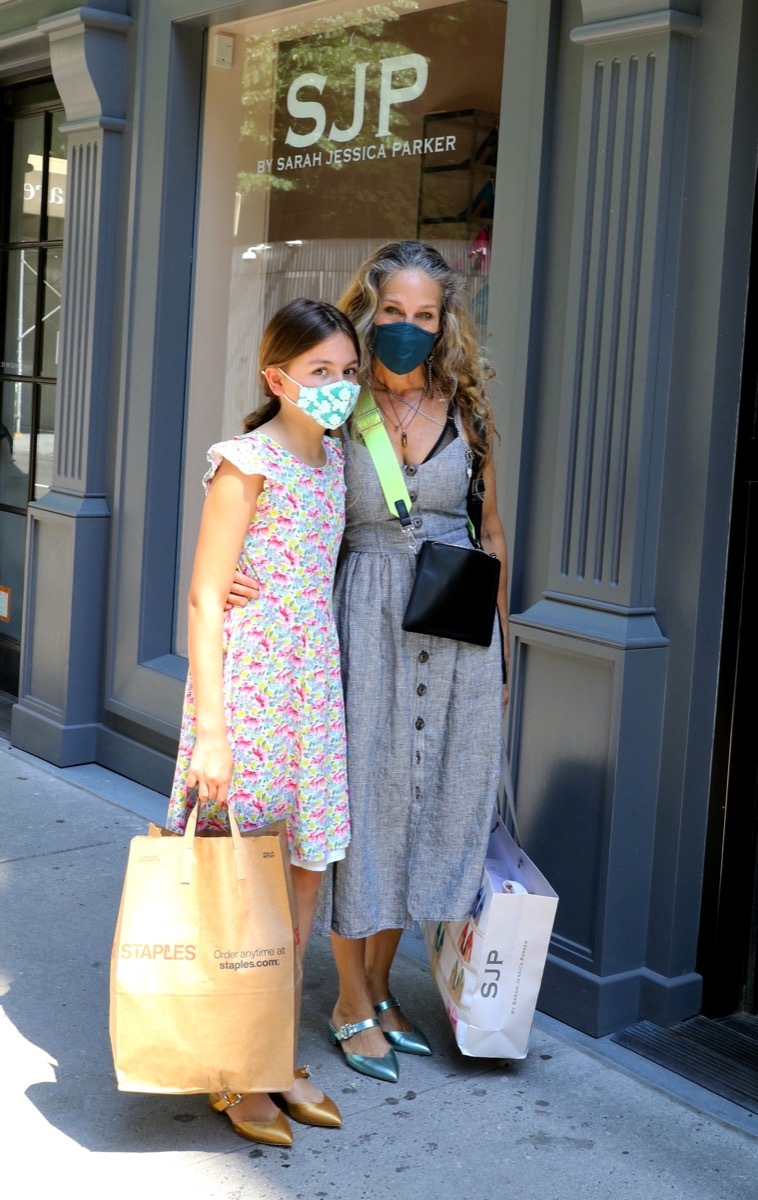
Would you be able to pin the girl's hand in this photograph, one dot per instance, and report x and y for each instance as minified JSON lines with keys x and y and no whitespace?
{"x":211,"y":768}
{"x":243,"y":588}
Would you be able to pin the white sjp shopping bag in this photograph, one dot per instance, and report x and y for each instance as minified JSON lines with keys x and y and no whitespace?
{"x":489,"y":967}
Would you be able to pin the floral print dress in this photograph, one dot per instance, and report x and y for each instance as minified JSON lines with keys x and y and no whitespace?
{"x":282,"y":686}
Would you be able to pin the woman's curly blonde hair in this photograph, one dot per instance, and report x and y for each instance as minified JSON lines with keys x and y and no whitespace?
{"x":458,"y":362}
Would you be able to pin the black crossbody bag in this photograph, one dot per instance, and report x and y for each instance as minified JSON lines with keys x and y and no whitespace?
{"x":454,"y":593}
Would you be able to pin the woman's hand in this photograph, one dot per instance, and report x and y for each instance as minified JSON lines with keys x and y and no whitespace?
{"x":243,"y":589}
{"x":211,"y":767}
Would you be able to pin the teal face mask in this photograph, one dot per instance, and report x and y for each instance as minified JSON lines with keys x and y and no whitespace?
{"x":401,"y":346}
{"x":330,"y":404}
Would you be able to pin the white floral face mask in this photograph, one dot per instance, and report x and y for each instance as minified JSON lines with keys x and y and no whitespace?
{"x":330,"y":404}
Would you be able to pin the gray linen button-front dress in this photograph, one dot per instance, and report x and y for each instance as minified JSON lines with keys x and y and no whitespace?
{"x":423,"y":716}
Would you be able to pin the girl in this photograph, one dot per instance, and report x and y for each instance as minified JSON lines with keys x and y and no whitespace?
{"x":263,"y":724}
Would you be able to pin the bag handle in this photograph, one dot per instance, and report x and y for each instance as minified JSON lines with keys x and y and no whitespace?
{"x":188,"y":845}
{"x":506,"y":802}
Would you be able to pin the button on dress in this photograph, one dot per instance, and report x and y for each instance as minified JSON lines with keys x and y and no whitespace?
{"x":423,"y":717}
{"x":282,"y":685}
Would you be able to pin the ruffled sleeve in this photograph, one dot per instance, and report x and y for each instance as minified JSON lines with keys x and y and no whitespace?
{"x":336,"y":449}
{"x":248,"y":453}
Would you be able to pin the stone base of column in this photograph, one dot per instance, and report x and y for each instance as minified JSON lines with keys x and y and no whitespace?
{"x":44,"y":736}
{"x":60,"y":693}
{"x":588,"y":687}
{"x":599,"y":1006}
{"x":152,"y":767}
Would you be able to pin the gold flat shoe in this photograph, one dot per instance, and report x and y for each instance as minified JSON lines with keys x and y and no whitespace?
{"x":269,"y":1133}
{"x":323,"y":1113}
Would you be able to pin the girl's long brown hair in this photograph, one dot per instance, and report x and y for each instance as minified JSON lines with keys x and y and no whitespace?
{"x":458,"y":362}
{"x":294,"y":330}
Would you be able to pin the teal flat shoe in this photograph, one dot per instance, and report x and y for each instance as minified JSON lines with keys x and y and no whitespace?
{"x":407,"y":1041}
{"x":385,"y":1068}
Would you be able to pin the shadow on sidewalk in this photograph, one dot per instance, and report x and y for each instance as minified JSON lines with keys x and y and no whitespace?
{"x":60,"y":887}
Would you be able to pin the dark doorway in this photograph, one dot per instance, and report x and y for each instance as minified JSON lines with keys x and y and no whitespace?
{"x":32,"y":212}
{"x":729,"y":925}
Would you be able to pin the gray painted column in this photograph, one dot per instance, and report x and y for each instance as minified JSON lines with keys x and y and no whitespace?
{"x":591,"y":662}
{"x":60,"y":699}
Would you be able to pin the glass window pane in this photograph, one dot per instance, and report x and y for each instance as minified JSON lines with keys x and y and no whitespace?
{"x":325,"y":134}
{"x":51,"y":314}
{"x":326,"y":138}
{"x":19,"y":272}
{"x":43,"y":466}
{"x":12,"y":548}
{"x":57,"y":180}
{"x":26,"y":178}
{"x":15,"y":432}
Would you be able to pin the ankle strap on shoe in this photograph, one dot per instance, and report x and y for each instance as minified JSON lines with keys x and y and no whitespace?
{"x":383,"y":1005}
{"x":347,"y":1031}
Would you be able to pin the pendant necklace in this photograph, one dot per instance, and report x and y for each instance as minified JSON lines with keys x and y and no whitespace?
{"x":402,"y":425}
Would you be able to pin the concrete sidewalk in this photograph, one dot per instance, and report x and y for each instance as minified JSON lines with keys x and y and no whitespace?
{"x":576,"y":1119}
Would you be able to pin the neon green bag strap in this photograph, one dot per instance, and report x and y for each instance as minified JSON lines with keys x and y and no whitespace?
{"x":369,"y":422}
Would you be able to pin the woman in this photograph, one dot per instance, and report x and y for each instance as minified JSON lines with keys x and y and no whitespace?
{"x":423,"y":714}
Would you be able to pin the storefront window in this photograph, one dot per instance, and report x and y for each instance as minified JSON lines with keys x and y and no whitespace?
{"x":321,"y":140}
{"x":32,"y":214}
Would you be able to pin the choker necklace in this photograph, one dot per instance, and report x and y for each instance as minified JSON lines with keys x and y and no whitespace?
{"x":429,"y":391}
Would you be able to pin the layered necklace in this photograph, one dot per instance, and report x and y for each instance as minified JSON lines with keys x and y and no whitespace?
{"x":405,"y":419}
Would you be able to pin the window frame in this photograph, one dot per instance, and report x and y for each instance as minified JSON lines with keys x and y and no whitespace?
{"x":47,"y":105}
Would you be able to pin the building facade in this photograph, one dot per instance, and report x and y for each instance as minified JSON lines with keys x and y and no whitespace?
{"x":174,"y":170}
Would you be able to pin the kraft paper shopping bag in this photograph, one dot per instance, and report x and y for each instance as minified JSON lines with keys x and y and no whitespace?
{"x":205,"y":973}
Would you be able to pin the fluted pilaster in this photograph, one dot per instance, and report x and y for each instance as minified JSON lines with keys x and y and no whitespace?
{"x":62,"y":652}
{"x":625,"y":249}
{"x":87,"y":50}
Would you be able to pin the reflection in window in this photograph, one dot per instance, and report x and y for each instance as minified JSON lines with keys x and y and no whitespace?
{"x":45,"y":441}
{"x":28,"y":149}
{"x":51,"y":311}
{"x":12,"y":535}
{"x":15,"y":443}
{"x":20,"y":273}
